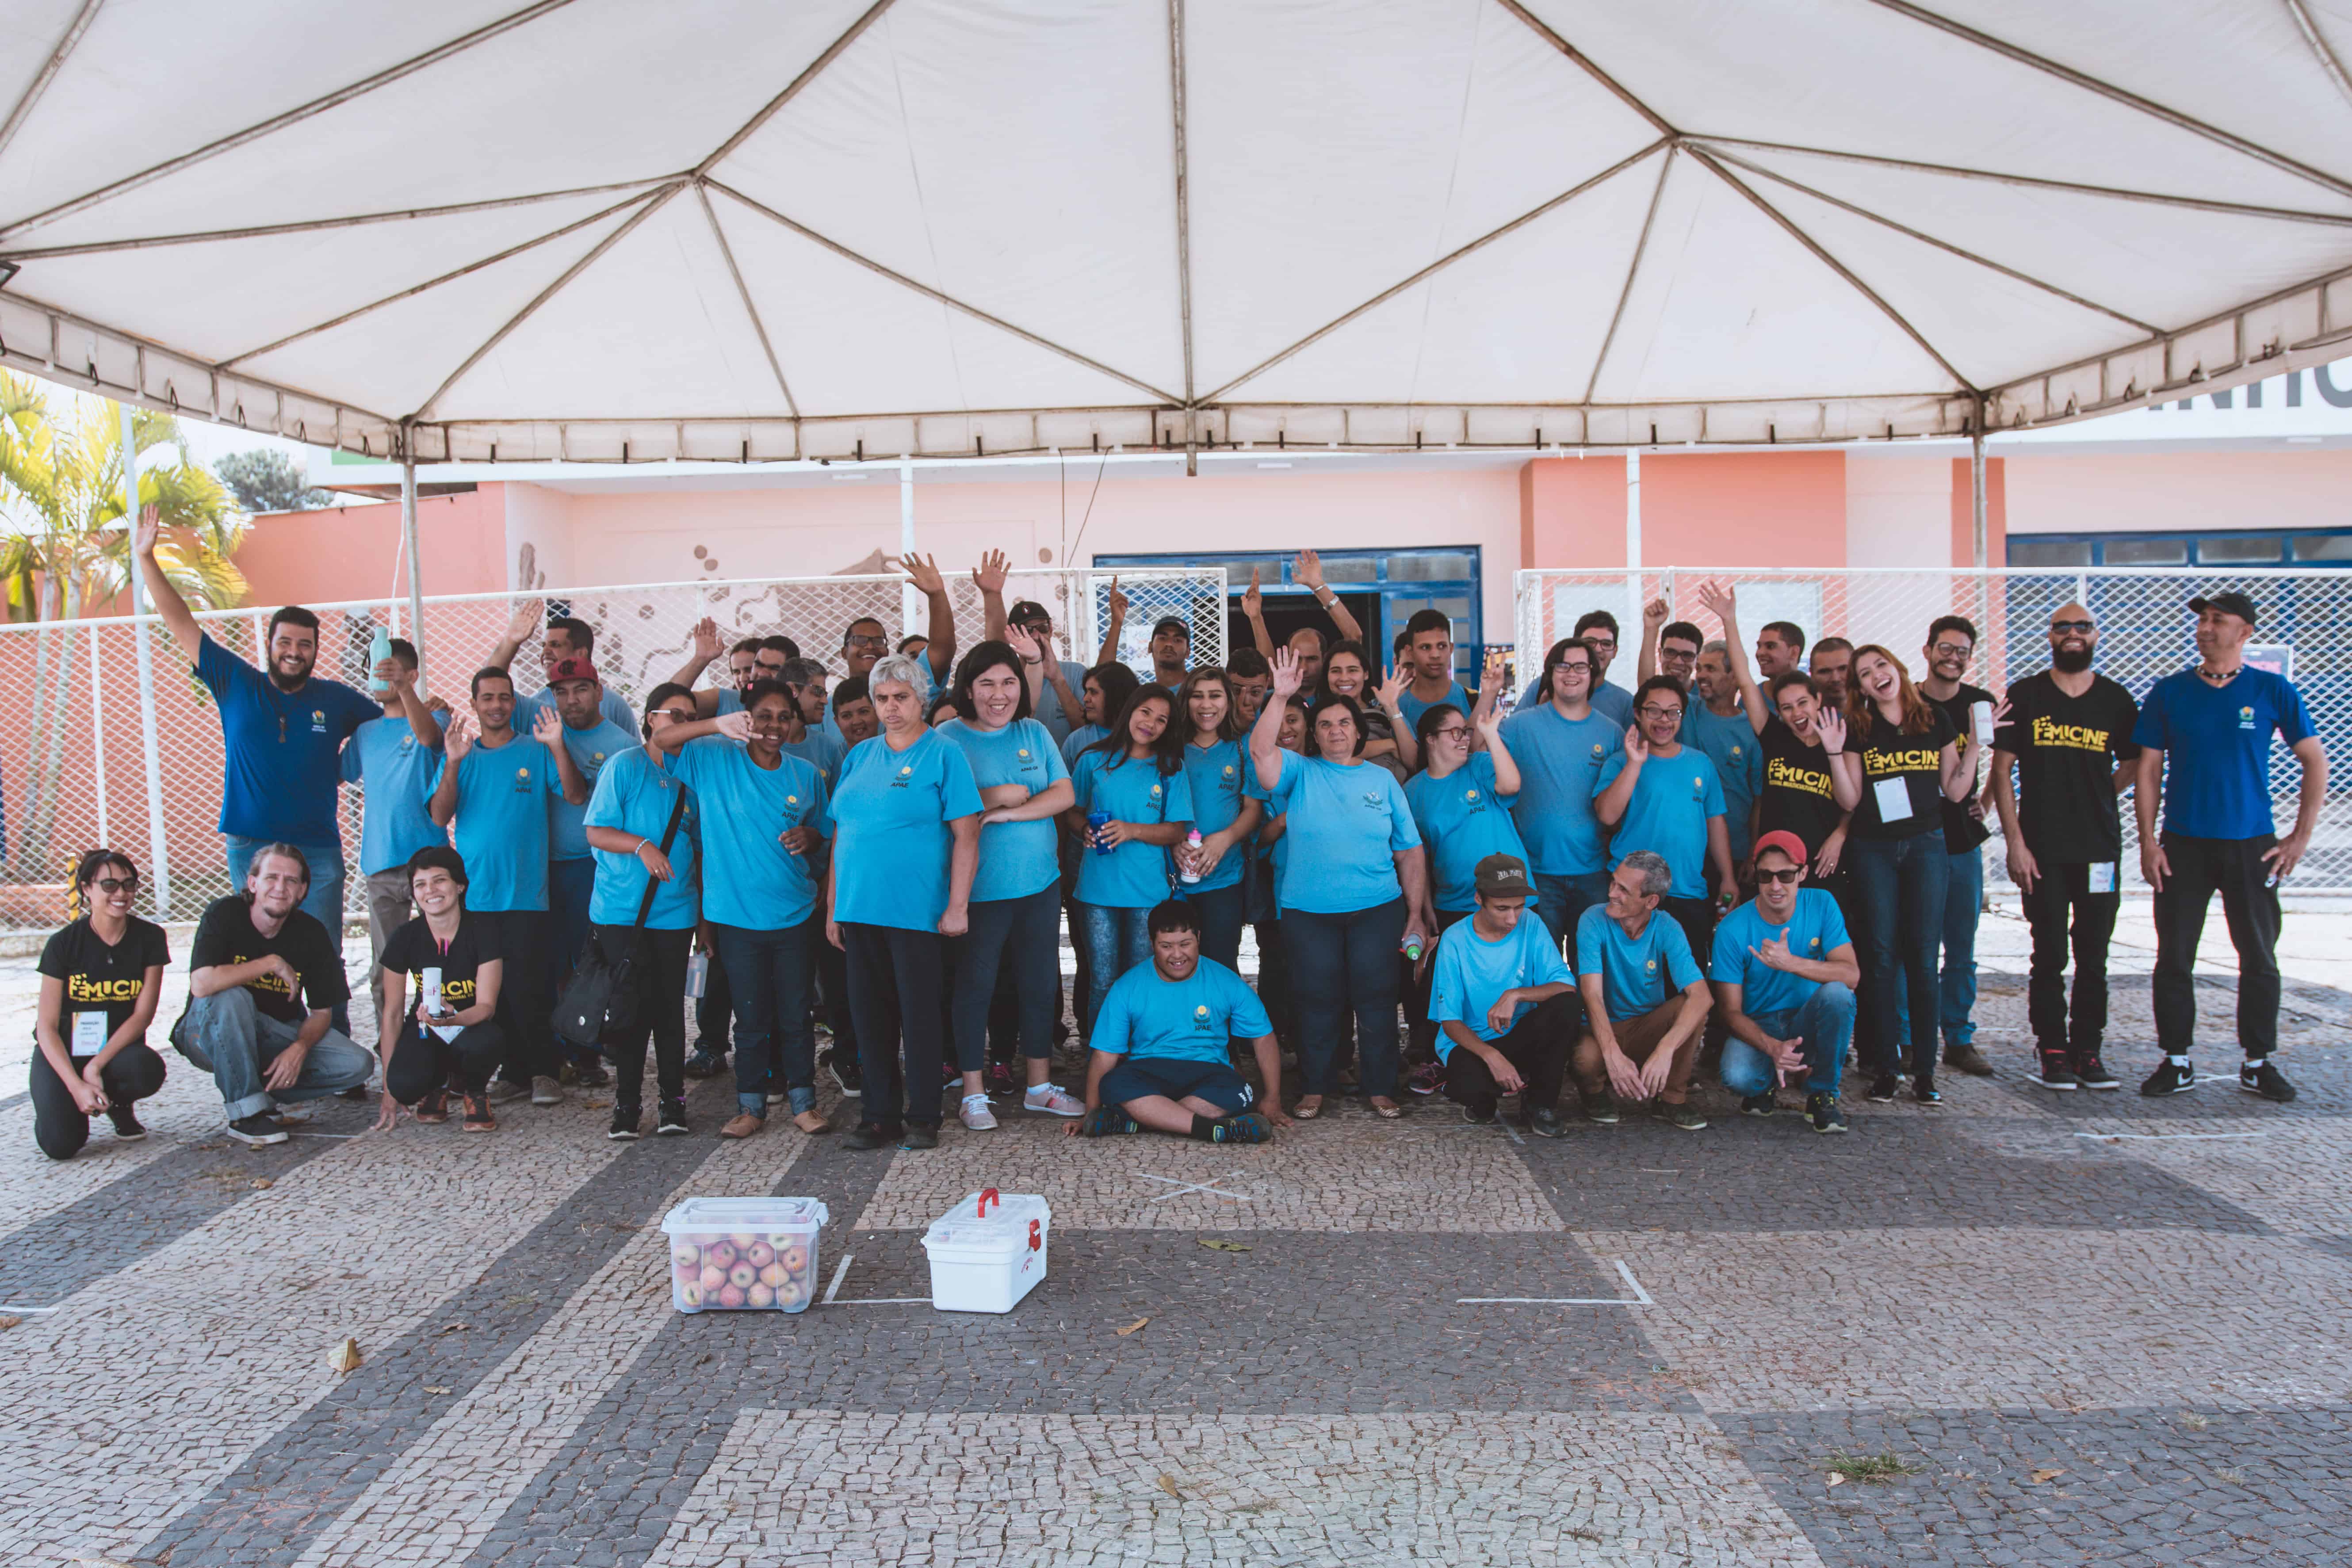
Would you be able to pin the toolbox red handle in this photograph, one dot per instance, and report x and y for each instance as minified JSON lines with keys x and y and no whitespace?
{"x":988,"y":1195}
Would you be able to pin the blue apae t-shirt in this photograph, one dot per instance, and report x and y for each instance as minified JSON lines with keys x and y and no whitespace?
{"x":1188,"y":1020}
{"x":501,"y":826}
{"x":1132,"y":789}
{"x":2217,"y":749}
{"x":281,"y":766}
{"x":1077,"y":741}
{"x":749,"y":879}
{"x":394,"y":773}
{"x":592,"y":749}
{"x":1559,"y":760}
{"x":1672,"y":799}
{"x":1637,"y":974}
{"x":1016,"y":858}
{"x":1816,"y":929}
{"x":635,"y":795}
{"x":1345,"y":827}
{"x":1462,"y":819}
{"x":1472,"y":972}
{"x":1412,"y":706}
{"x":1730,"y":742}
{"x":890,"y":861}
{"x":1218,"y":776}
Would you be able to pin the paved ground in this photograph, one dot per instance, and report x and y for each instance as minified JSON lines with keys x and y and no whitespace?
{"x":2079,"y":1330}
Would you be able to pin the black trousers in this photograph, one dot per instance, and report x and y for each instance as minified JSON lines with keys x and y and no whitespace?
{"x":525,"y":1004}
{"x":897,"y":979}
{"x":2062,"y":911}
{"x":1538,"y":1046}
{"x":133,"y":1073}
{"x":423,"y":1063}
{"x":663,"y":953}
{"x":714,"y":1010}
{"x":2235,"y":869}
{"x":1696,"y":917}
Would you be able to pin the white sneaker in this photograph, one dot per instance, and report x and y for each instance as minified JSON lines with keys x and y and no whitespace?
{"x":1052,"y":1098}
{"x":975,"y":1113}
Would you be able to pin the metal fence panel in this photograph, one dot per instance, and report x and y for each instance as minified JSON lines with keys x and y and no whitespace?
{"x":2145,"y":633}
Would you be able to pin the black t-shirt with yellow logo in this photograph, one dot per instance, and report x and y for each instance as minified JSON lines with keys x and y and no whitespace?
{"x":2066,"y":750}
{"x":98,"y":977}
{"x":225,"y":936}
{"x":1796,"y":797}
{"x":414,"y":949}
{"x":1914,"y":763}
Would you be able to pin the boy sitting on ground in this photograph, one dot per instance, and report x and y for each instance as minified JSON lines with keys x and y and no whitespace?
{"x":1504,"y":1002}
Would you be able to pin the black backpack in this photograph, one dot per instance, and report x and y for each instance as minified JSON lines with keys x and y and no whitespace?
{"x":605,"y":998}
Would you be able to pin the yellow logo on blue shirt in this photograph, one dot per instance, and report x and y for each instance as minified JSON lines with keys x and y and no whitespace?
{"x":1202,"y":1011}
{"x":597,"y":758}
{"x":1649,"y":963}
{"x":522,"y":780}
{"x":1229,"y":770}
{"x":908,"y":771}
{"x":1155,"y":792}
{"x":1736,"y":751}
{"x":1698,"y":786}
{"x":1596,"y":748}
{"x":792,"y":800}
{"x":1024,"y":753}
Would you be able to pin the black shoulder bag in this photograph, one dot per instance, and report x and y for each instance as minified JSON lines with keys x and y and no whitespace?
{"x":606,"y":994}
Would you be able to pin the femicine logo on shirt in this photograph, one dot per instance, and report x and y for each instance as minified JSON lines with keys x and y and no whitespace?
{"x":1919,"y":759}
{"x":269,"y":982}
{"x":2074,"y":737}
{"x":1782,"y":774}
{"x":82,"y":988}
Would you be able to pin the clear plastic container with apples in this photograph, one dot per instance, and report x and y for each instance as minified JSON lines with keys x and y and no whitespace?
{"x":731,"y":1255}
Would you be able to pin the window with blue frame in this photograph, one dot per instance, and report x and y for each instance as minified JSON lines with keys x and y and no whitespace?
{"x":2217,"y":547}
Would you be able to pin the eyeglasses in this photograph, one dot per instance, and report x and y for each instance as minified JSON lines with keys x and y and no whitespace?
{"x":2070,"y":625}
{"x":1610,"y":644}
{"x":115,"y":884}
{"x":1450,"y":732}
{"x":1655,"y":712}
{"x":1789,"y":876}
{"x":1950,"y":650}
{"x":1565,"y":668}
{"x":865,"y":642}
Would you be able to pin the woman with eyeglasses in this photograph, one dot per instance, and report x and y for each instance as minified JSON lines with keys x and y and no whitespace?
{"x":1461,"y":802}
{"x":1225,"y":814}
{"x":1388,"y":735}
{"x":102,"y":977}
{"x":1133,"y":805}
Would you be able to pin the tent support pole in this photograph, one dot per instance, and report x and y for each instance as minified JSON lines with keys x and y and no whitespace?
{"x":158,"y":855}
{"x":908,"y":598}
{"x":408,"y":543}
{"x":1977,"y":543}
{"x":1633,"y":531}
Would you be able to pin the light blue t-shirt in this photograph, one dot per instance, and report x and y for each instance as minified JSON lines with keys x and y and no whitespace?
{"x":820,"y":751}
{"x":1077,"y":741}
{"x":1816,"y":929}
{"x":1346,"y":824}
{"x":1412,"y":706}
{"x":611,"y":704}
{"x":592,"y":750}
{"x":1048,"y":710}
{"x":1559,"y":760}
{"x":635,"y":795}
{"x":1463,"y":818}
{"x":890,"y":862}
{"x":1218,"y":776}
{"x":2217,"y":749}
{"x":1016,"y":858}
{"x":749,"y":879}
{"x":1672,"y":801}
{"x":1732,"y":744}
{"x":395,"y":777}
{"x":1187,"y":1020}
{"x":501,"y":826}
{"x":1132,"y":789}
{"x":1472,"y":972}
{"x":1637,"y":974}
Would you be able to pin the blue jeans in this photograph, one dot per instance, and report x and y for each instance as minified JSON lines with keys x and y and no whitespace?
{"x":1338,"y":962}
{"x":1021,"y":937}
{"x":1900,"y":884}
{"x":323,"y":902}
{"x":571,"y":886}
{"x":768,"y":971}
{"x":1822,"y":1026}
{"x":1220,"y":914}
{"x":1957,"y":995}
{"x":1561,"y":901}
{"x":226,"y":1035}
{"x":1115,"y":941}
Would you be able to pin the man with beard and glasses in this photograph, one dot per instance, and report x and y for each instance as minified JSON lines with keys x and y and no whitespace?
{"x":2065,"y":745}
{"x":282,"y":734}
{"x":1951,"y":644}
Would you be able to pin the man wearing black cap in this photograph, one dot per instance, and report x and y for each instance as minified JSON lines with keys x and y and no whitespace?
{"x":1503,"y":1000}
{"x":1059,"y":706}
{"x":1171,"y":650}
{"x":2215,"y":721}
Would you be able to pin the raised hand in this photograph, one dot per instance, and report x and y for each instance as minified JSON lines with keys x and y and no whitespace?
{"x":394,"y":674}
{"x":990,"y":574}
{"x":147,"y":532}
{"x":546,"y":728}
{"x":1308,"y":571}
{"x":459,"y":738}
{"x":1254,"y":599}
{"x":923,"y":571}
{"x":1287,"y":676}
{"x":1021,"y":643}
{"x":706,"y":643}
{"x":1117,"y":600}
{"x":735,"y":726}
{"x":529,"y":616}
{"x":1655,"y":614}
{"x":1393,"y":688}
{"x":1831,"y":726}
{"x":1719,"y":601}
{"x":1637,"y":749}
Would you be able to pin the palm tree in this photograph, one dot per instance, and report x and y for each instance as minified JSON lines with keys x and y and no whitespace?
{"x":64,"y":546}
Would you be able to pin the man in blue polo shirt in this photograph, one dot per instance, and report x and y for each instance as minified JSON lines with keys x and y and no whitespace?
{"x":1503,"y":1000}
{"x":2212,"y":724}
{"x":1784,"y":975}
{"x":1645,"y":1002}
{"x":1161,"y":1043}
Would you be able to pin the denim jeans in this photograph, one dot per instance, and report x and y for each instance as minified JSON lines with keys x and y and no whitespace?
{"x":1338,"y":962}
{"x":1220,"y":914}
{"x":1823,"y":1025}
{"x":226,"y":1035}
{"x":1561,"y":901}
{"x":323,"y":902}
{"x":1021,"y":937}
{"x":1957,"y":993}
{"x":1900,"y":884}
{"x":769,"y":973}
{"x":1115,"y":941}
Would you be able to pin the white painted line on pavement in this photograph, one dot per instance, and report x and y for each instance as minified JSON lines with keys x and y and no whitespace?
{"x":2168,"y":1137}
{"x":838,"y":1275}
{"x":1183,"y":1187}
{"x":1640,"y":1298}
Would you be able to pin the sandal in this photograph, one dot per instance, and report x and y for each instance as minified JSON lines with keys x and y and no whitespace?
{"x":1385,"y":1108}
{"x":1308,"y":1107}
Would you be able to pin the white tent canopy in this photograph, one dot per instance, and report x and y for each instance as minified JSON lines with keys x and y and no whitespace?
{"x":599,"y":229}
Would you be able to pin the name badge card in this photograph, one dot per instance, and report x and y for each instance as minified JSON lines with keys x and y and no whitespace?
{"x":2103,"y":876}
{"x":90,"y":1034}
{"x":1893,"y":800}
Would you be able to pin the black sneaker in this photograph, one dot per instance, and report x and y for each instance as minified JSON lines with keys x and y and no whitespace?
{"x":2168,"y":1078}
{"x":1883,"y":1087}
{"x":1923,"y":1090}
{"x":998,"y":1077}
{"x":127,"y":1128}
{"x":2055,"y":1073}
{"x":625,"y":1124}
{"x":1823,"y":1112}
{"x":1479,"y":1116}
{"x":1601,"y":1108}
{"x":671,"y":1122}
{"x":1107,"y":1121}
{"x":1241,"y":1127}
{"x":919,"y":1135}
{"x":843,"y":1067}
{"x":2093,"y":1074}
{"x":2255,"y":1078}
{"x":1685,"y":1116}
{"x":257,"y":1131}
{"x":590,"y":1074}
{"x":706,"y":1064}
{"x":1545,"y":1122}
{"x":871,"y":1135}
{"x":1757,"y":1104}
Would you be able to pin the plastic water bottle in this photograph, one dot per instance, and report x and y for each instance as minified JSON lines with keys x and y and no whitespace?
{"x":379,"y":650}
{"x":1096,"y":822}
{"x":1191,"y":873}
{"x":1413,"y":948}
{"x":698,"y":975}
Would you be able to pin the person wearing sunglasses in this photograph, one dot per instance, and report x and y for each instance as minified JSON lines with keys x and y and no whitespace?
{"x":1784,"y":974}
{"x":100,"y":978}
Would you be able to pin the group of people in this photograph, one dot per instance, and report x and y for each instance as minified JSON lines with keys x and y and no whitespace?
{"x":1737,"y":867}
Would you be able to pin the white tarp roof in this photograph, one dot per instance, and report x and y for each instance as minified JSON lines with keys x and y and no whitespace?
{"x":725,"y":228}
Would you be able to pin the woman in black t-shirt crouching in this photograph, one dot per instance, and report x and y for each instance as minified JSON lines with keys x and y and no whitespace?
{"x":100,"y":979}
{"x":447,"y":960}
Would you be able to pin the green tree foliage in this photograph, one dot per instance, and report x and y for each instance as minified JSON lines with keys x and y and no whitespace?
{"x":265,"y":479}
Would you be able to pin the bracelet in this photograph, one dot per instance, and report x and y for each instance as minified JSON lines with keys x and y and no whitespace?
{"x":642,"y":842}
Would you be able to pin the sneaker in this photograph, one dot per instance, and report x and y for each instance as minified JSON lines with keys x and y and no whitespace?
{"x":1479,"y":1115}
{"x":2260,"y":1078}
{"x":919,"y":1135}
{"x":1545,"y":1122}
{"x":1241,"y":1127}
{"x":779,"y":1097}
{"x":434,"y":1108}
{"x":1426,"y":1079}
{"x":478,"y":1118}
{"x":1969,"y":1061}
{"x":742,"y":1124}
{"x":948,"y":1077}
{"x":546,"y":1091}
{"x":706,"y":1064}
{"x":127,"y":1128}
{"x":1601,"y":1108}
{"x":998,"y":1077}
{"x":589,"y":1073}
{"x":871,"y":1135}
{"x":841,"y":1066}
{"x":2055,"y":1073}
{"x":1053,"y":1100}
{"x":625,"y":1124}
{"x":506,"y":1091}
{"x":1106,"y":1121}
{"x":1757,"y":1104}
{"x":289,"y":1115}
{"x":1821,"y":1109}
{"x":671,"y":1122}
{"x":976,"y":1115}
{"x":1883,"y":1087}
{"x":2168,"y":1078}
{"x":257,"y":1131}
{"x":2093,"y":1074}
{"x":1923,"y":1090}
{"x":1685,"y":1116}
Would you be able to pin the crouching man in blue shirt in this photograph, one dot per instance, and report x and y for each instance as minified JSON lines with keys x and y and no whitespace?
{"x":1503,"y":1000}
{"x":1784,"y":974}
{"x":1161,"y":1042}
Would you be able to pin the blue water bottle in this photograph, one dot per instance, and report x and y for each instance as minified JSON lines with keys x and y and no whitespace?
{"x":1096,"y":822}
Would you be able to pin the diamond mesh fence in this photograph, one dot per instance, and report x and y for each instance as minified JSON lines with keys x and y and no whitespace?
{"x":73,"y":753}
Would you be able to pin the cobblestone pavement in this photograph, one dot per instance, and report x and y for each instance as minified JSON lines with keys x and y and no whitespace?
{"x":2026,"y":1328}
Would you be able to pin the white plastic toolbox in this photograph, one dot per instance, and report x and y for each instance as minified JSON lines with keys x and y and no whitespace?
{"x":988,"y":1251}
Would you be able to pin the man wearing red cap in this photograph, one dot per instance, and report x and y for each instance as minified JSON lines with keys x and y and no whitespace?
{"x":593,"y":740}
{"x":1784,"y":974}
